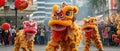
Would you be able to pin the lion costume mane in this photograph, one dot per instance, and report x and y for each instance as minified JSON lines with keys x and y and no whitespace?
{"x":117,"y":37}
{"x":21,"y":40}
{"x":65,"y":32}
{"x":91,"y":33}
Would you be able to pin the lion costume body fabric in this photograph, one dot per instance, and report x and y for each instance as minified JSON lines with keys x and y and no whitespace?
{"x":65,"y":32}
{"x":117,"y":37}
{"x":21,"y":40}
{"x":91,"y":34}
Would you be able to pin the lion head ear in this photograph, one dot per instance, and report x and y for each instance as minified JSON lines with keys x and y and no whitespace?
{"x":75,"y":9}
{"x":85,"y":20}
{"x":55,"y":8}
{"x":95,"y":19}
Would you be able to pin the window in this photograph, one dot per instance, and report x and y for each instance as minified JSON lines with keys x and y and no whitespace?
{"x":41,"y":9}
{"x":39,"y":14}
{"x":41,"y":4}
{"x":40,"y":0}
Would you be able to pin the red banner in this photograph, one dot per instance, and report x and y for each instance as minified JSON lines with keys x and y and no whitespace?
{"x":113,"y":4}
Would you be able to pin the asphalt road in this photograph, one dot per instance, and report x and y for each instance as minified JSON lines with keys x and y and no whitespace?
{"x":42,"y":48}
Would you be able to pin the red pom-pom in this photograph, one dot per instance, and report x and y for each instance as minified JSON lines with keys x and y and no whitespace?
{"x":114,"y":36}
{"x":5,"y":26}
{"x":2,"y":3}
{"x":117,"y":40}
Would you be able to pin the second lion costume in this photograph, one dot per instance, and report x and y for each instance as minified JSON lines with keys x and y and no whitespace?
{"x":91,"y":33}
{"x":65,"y":32}
{"x":25,"y":37}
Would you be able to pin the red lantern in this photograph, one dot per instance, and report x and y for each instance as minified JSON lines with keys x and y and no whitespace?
{"x":5,"y":26}
{"x":2,"y":3}
{"x":21,"y":4}
{"x":114,"y":36}
{"x":117,"y":40}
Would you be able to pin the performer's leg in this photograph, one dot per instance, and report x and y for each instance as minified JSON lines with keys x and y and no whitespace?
{"x":16,"y":48}
{"x":24,"y":49}
{"x":16,"y":45}
{"x":87,"y":44}
{"x":98,"y":43}
{"x":31,"y":46}
{"x":73,"y":46}
{"x":63,"y":49}
{"x":31,"y":49}
{"x":52,"y":46}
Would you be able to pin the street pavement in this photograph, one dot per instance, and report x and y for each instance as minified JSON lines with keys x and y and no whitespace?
{"x":42,"y":48}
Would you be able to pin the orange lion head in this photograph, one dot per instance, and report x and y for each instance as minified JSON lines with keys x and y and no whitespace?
{"x":62,"y":16}
{"x":62,"y":20}
{"x":90,"y":25}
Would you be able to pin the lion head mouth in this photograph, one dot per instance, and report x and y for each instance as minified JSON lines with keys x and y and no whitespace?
{"x":57,"y":27}
{"x":88,"y":29}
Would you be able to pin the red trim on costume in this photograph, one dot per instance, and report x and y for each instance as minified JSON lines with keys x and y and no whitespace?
{"x":89,"y":34}
{"x":58,"y":35}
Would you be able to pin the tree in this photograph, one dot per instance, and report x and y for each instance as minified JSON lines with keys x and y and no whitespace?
{"x":118,"y":6}
{"x":98,"y":5}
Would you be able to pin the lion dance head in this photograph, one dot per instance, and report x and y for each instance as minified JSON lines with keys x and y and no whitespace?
{"x":90,"y":26}
{"x":63,"y":17}
{"x":30,"y":27}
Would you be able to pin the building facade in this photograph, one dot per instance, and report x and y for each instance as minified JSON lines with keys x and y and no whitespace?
{"x":9,"y":14}
{"x":44,"y":8}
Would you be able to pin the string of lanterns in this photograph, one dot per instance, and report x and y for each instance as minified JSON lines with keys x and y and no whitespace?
{"x":19,"y":4}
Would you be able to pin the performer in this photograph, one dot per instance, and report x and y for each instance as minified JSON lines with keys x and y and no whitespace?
{"x":117,"y":37}
{"x":91,"y":34}
{"x":25,"y":37}
{"x":65,"y":32}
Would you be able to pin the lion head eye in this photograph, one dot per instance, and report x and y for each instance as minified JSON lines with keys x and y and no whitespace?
{"x":55,"y":15}
{"x":68,"y":13}
{"x":92,"y":20}
{"x":61,"y":15}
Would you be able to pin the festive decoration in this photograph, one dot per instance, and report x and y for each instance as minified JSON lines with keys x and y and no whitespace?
{"x":21,"y":4}
{"x":25,"y":38}
{"x":2,"y":3}
{"x":114,"y":36}
{"x":91,"y":33}
{"x":117,"y":40}
{"x":117,"y":37}
{"x":65,"y":32}
{"x":5,"y":26}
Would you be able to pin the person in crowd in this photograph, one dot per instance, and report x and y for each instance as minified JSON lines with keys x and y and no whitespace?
{"x":5,"y":34}
{"x":100,"y":30}
{"x":13,"y":33}
{"x":113,"y":29}
{"x":0,"y":35}
{"x":42,"y":35}
{"x":105,"y":36}
{"x":37,"y":36}
{"x":48,"y":33}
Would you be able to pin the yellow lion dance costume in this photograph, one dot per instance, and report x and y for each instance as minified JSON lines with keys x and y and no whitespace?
{"x":66,"y":33}
{"x":117,"y":37}
{"x":25,"y":37}
{"x":91,"y":33}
